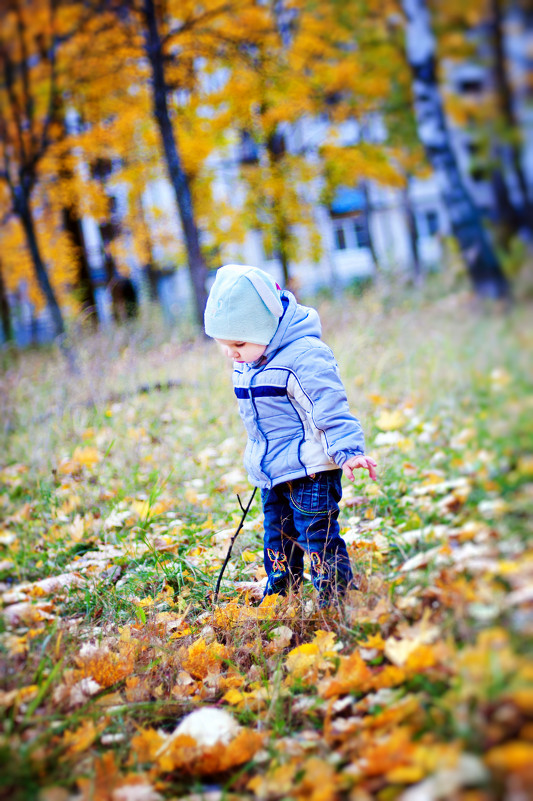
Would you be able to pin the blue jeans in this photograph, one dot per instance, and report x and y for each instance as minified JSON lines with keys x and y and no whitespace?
{"x":301,"y":517}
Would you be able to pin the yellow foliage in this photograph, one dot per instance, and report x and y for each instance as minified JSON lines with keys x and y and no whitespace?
{"x":200,"y":658}
{"x":21,"y":696}
{"x":237,"y":613}
{"x":381,"y":756}
{"x":320,"y":782}
{"x":87,"y":456}
{"x":81,"y":738}
{"x":393,"y":715}
{"x":352,"y":675}
{"x":348,"y":165}
{"x":373,"y":641}
{"x":105,"y":666}
{"x":233,"y":697}
{"x":278,"y":781}
{"x":311,"y":655}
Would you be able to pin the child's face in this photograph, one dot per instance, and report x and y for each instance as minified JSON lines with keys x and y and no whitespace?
{"x":241,"y":351}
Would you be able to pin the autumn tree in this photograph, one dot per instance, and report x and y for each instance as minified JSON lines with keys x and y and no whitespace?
{"x":28,"y":90}
{"x":308,"y":76}
{"x":476,"y":249}
{"x":274,"y":175}
{"x":5,"y":313}
{"x":510,"y":135}
{"x":475,"y":34}
{"x":359,"y":75}
{"x":173,"y":42}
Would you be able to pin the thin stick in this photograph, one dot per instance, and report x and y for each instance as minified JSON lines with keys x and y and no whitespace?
{"x":226,"y":560}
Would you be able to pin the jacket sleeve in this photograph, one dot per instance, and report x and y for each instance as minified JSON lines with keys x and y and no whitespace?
{"x":318,"y":389}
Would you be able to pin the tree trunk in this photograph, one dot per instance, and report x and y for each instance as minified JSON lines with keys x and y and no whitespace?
{"x":276,"y":149}
{"x":178,"y":177}
{"x":476,"y":249}
{"x":412,"y":233}
{"x":368,"y":230}
{"x":5,"y":315}
{"x":24,"y":212}
{"x":149,"y":266}
{"x":511,"y":150}
{"x":509,"y":218}
{"x":284,"y":259}
{"x":84,"y":284}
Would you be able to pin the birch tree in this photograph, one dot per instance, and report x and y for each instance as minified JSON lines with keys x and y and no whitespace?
{"x":28,"y":83}
{"x":511,"y":144}
{"x":153,"y":44}
{"x":485,"y":272}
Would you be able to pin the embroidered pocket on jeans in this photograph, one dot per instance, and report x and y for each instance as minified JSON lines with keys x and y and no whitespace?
{"x":312,"y":496}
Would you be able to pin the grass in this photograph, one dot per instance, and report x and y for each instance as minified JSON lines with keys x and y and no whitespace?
{"x":134,"y":494}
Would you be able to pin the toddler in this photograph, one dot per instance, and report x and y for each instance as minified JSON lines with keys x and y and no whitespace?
{"x":301,"y":435}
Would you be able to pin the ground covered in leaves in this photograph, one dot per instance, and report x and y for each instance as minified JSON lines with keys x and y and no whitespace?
{"x":122,"y":681}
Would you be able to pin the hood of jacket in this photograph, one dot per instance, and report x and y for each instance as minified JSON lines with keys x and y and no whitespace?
{"x":297,"y":322}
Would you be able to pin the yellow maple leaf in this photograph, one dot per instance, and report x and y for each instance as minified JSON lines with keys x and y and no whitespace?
{"x":389,"y":676}
{"x":107,"y":667}
{"x":311,"y":654}
{"x":379,"y":757}
{"x":87,"y":456}
{"x":300,"y":659}
{"x":146,"y":744}
{"x":201,"y":658}
{"x":373,"y":641}
{"x":422,"y":658}
{"x":352,"y":674}
{"x":233,"y":697}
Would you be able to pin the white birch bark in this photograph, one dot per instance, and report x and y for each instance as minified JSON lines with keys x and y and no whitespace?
{"x":476,"y":249}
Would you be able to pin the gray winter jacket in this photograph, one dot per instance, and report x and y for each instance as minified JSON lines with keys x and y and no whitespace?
{"x":293,"y":404}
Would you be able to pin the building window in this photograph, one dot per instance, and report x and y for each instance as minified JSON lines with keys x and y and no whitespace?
{"x":351,"y":232}
{"x":340,"y":238}
{"x":361,"y":232}
{"x":427,"y":223}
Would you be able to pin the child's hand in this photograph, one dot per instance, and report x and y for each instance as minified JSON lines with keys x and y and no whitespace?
{"x":359,"y":461}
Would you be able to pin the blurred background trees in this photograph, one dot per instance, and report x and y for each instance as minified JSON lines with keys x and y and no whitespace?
{"x":144,"y":143}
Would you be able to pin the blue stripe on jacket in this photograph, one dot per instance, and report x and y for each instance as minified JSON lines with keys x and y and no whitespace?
{"x":260,"y":392}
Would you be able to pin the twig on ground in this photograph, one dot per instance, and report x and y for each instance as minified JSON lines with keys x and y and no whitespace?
{"x":239,"y":527}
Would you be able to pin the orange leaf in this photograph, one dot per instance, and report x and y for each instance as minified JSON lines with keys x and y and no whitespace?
{"x":353,"y":674}
{"x":202,"y":659}
{"x":81,"y":738}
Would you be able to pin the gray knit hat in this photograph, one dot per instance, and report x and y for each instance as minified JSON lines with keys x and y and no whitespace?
{"x":243,"y":306}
